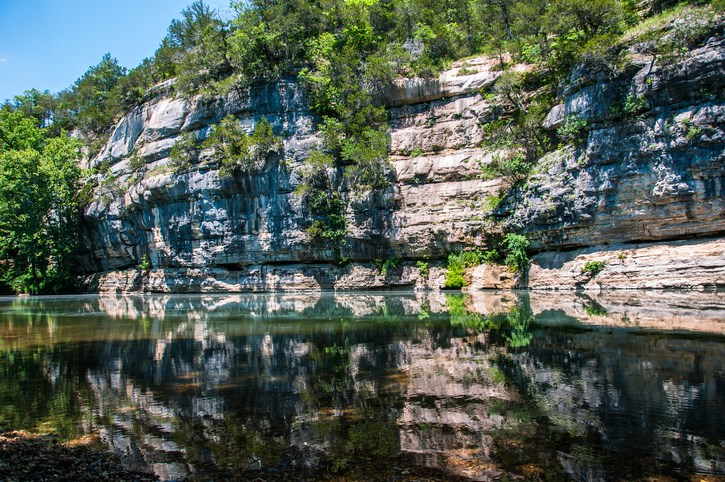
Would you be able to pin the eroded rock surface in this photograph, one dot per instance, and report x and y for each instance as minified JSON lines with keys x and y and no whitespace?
{"x":653,"y":177}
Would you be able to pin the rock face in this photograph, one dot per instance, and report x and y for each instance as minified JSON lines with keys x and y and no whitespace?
{"x":650,"y":175}
{"x":656,"y":173}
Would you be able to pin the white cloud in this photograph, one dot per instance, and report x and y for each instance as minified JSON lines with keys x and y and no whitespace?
{"x":3,"y":60}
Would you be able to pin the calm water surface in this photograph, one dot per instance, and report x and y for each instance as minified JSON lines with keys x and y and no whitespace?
{"x":517,"y":386}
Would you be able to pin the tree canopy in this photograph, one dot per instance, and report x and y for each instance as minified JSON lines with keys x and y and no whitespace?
{"x":39,"y":181}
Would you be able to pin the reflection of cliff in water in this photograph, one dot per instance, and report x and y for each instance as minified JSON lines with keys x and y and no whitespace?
{"x":221,"y":386}
{"x":654,"y":401}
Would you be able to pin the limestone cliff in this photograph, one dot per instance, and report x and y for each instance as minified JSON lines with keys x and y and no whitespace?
{"x":639,"y":179}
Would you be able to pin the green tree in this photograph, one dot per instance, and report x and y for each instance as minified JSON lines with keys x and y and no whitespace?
{"x":230,"y":144}
{"x":270,"y":36}
{"x":198,"y":41}
{"x":239,"y":152}
{"x":91,"y":100}
{"x":39,"y":181}
{"x":36,"y":104}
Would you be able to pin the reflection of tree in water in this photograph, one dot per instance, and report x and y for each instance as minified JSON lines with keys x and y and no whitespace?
{"x":349,"y":412}
{"x":514,"y":325}
{"x":41,"y":390}
{"x":518,"y":321}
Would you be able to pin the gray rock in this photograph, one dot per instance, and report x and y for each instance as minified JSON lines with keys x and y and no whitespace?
{"x":654,"y":178}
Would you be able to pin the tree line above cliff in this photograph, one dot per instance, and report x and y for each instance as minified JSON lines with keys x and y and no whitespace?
{"x":334,"y":42}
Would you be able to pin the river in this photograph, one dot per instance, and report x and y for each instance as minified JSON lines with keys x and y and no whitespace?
{"x":489,"y":386}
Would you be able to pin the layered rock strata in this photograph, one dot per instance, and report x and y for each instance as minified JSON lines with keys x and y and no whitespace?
{"x":652,"y":176}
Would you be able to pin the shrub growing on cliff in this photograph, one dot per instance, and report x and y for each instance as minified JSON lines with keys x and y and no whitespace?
{"x":573,"y":130}
{"x":515,"y":246}
{"x":632,"y":107}
{"x":230,"y":143}
{"x":423,"y":269}
{"x":325,"y":205}
{"x":369,"y":158}
{"x":385,"y":266}
{"x":145,"y":263}
{"x":458,"y":262}
{"x":330,"y":223}
{"x":593,"y":267}
{"x":454,"y":276}
{"x":184,"y":152}
{"x":512,"y":168}
{"x":239,"y":152}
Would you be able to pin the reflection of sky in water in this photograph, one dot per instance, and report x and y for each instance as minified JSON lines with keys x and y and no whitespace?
{"x":612,"y":386}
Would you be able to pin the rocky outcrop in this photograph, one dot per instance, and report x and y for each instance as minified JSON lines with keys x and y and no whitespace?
{"x":652,"y":166}
{"x":693,"y":264}
{"x":651,"y":174}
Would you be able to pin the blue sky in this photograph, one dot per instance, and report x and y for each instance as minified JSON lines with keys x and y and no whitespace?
{"x":48,"y":44}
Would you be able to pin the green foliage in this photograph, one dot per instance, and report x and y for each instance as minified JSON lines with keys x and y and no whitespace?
{"x":521,"y":131}
{"x":595,"y":309}
{"x":263,"y":139}
{"x":463,"y":71}
{"x":199,"y":39}
{"x":458,"y":262}
{"x":519,"y":321}
{"x":347,"y":52}
{"x":691,"y":129}
{"x":454,"y":276}
{"x":145,"y":263}
{"x":39,"y":105}
{"x":92,"y":104}
{"x":513,"y":168}
{"x":491,"y":257}
{"x":593,"y":267}
{"x":184,"y":152}
{"x":462,"y":317}
{"x":573,"y":130}
{"x":39,"y":205}
{"x":136,"y":162}
{"x":315,"y":173}
{"x":239,"y":153}
{"x":230,"y":144}
{"x":368,"y":155}
{"x":385,"y":266}
{"x":423,"y":268}
{"x":633,"y":106}
{"x":580,"y":29}
{"x":323,"y":201}
{"x":493,"y":201}
{"x":516,"y":257}
{"x":330,"y":222}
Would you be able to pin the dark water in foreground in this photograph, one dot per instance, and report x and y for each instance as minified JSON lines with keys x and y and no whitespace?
{"x":510,"y":386}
